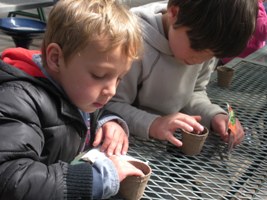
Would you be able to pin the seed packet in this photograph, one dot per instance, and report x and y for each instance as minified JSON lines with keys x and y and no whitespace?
{"x":231,"y":127}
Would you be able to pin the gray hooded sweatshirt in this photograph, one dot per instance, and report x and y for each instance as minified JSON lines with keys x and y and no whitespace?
{"x":158,"y":84}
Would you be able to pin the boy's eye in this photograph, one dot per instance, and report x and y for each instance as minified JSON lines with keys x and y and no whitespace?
{"x":98,"y":76}
{"x":119,"y":80}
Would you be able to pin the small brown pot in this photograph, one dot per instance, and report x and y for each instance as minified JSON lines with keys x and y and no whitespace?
{"x":225,"y":76}
{"x":192,"y":142}
{"x":133,"y":187}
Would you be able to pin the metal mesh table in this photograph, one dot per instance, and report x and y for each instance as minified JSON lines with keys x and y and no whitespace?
{"x":216,"y":174}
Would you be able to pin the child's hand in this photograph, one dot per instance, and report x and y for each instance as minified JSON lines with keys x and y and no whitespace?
{"x":218,"y":125}
{"x":125,"y":168}
{"x":115,"y":140}
{"x":163,"y":128}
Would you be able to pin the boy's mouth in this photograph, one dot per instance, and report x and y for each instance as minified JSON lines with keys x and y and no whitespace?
{"x":98,"y":105}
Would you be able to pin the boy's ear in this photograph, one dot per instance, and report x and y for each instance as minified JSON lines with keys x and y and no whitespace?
{"x":172,"y":14}
{"x":53,"y":56}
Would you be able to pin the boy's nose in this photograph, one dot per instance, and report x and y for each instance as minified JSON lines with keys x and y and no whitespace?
{"x":110,"y":89}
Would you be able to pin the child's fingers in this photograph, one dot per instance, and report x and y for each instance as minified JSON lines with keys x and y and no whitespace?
{"x":125,"y":146}
{"x":172,"y":139}
{"x":133,"y":171}
{"x":109,"y":143}
{"x":124,"y":168}
{"x":197,"y":117}
{"x":98,"y":137}
{"x":137,"y":172}
{"x":122,"y":146}
{"x":118,"y":149}
{"x":188,"y":124}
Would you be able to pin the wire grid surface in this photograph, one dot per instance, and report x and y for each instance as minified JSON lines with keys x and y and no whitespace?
{"x":216,"y":174}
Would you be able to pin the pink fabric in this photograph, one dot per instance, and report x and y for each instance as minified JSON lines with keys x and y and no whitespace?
{"x":259,"y":37}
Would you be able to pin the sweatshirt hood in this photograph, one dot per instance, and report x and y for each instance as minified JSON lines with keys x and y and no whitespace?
{"x":151,"y":24}
{"x":23,"y":59}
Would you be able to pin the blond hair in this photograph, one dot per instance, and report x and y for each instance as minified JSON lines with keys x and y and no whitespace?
{"x":74,"y":24}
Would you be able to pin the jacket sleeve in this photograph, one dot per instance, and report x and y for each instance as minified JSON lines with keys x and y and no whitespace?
{"x":126,"y":97}
{"x":23,"y":174}
{"x":200,"y":103}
